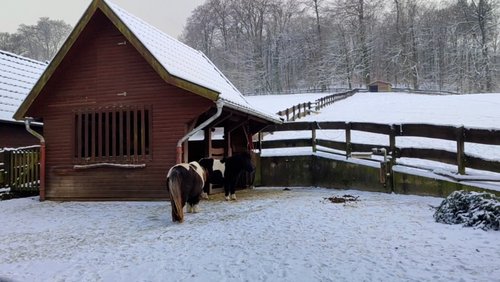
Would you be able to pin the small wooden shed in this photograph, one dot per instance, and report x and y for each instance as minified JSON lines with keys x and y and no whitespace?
{"x":380,"y":86}
{"x":18,"y":74}
{"x":119,"y":103}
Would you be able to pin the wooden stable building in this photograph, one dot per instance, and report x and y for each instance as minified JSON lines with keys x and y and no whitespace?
{"x":119,"y":103}
{"x":18,"y":74}
{"x":380,"y":86}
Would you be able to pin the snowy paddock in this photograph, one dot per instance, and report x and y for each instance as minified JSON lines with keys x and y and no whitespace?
{"x":267,"y":235}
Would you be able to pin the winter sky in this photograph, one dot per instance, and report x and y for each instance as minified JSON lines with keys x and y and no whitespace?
{"x":169,"y":16}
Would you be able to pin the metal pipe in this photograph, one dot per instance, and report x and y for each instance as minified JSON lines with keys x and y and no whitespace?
{"x":220,"y":104}
{"x":27,"y":123}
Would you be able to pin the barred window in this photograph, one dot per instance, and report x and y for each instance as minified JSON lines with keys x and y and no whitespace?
{"x":114,"y":134}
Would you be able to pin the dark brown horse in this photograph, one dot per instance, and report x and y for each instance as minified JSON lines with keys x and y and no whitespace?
{"x":185,"y":184}
{"x":226,"y":172}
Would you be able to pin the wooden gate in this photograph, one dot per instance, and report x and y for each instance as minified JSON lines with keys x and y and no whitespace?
{"x":20,"y":170}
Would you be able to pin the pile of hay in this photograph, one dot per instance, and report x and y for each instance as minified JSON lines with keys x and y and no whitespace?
{"x":472,"y":209}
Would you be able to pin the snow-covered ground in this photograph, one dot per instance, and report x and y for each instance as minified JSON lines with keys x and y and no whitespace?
{"x":267,"y":235}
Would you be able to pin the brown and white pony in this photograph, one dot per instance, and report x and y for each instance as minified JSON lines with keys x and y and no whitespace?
{"x":185,"y":184}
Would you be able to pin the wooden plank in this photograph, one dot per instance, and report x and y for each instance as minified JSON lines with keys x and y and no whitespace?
{"x":371,"y":127}
{"x":331,"y":144}
{"x":288,"y":126}
{"x":129,"y":134}
{"x":429,"y":131}
{"x":482,"y":164}
{"x":93,"y":136}
{"x":306,"y":142}
{"x":114,"y":147}
{"x":331,"y":125}
{"x":429,"y":154}
{"x":100,"y":143}
{"x":143,"y":131}
{"x":482,"y":136}
{"x":79,"y":137}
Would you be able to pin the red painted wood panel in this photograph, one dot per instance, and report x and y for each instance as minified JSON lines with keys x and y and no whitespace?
{"x":14,"y":135}
{"x":96,"y":73}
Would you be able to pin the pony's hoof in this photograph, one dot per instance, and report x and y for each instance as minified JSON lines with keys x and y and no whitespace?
{"x":196,"y":209}
{"x":227,"y":198}
{"x":204,"y":196}
{"x":190,"y":209}
{"x":233,"y":197}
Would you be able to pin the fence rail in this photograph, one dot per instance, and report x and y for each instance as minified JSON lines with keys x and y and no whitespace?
{"x":20,"y":169}
{"x":460,"y":135}
{"x":303,"y":109}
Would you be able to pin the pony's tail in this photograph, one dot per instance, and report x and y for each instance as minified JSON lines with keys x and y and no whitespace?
{"x":174,"y":188}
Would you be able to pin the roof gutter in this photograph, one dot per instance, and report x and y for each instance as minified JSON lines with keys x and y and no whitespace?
{"x":220,"y":104}
{"x":27,"y":123}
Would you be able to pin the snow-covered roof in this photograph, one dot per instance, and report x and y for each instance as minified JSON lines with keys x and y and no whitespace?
{"x":17,"y":76}
{"x":174,"y":61}
{"x":186,"y":63}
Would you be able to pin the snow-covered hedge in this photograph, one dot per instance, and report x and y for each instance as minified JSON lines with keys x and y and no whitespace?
{"x":472,"y":209}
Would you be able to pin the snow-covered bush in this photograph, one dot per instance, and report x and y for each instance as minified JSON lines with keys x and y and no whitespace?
{"x":472,"y":209}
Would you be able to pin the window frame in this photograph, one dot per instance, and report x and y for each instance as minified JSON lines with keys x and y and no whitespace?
{"x":113,"y":134}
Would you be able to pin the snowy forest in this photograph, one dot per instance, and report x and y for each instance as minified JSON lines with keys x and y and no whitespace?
{"x":40,"y":41}
{"x":273,"y":46}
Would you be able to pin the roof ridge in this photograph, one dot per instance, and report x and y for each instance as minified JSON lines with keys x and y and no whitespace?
{"x":122,"y":10}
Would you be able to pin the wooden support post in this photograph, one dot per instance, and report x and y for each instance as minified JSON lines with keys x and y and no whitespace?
{"x":461,"y":150}
{"x":348,"y":147}
{"x":313,"y":137}
{"x":260,"y":142}
{"x":392,"y":145}
{"x":227,"y":143}
{"x":208,"y":141}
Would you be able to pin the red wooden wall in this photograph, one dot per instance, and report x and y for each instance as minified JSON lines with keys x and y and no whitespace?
{"x":14,"y":135}
{"x":98,"y":67}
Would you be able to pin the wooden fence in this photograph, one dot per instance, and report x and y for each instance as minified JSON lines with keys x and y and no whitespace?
{"x":458,"y":134}
{"x":304,"y":109}
{"x":20,"y":169}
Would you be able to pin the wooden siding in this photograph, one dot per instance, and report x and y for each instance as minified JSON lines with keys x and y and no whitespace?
{"x":103,"y":69}
{"x":14,"y":135}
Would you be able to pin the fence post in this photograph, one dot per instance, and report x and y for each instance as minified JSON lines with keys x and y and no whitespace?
{"x":287,"y":114}
{"x":293,"y":115}
{"x":348,"y":147}
{"x":461,"y":150}
{"x":313,"y":137}
{"x":6,"y":166}
{"x":392,"y":144}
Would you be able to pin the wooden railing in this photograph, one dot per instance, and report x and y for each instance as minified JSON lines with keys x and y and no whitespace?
{"x":458,"y":134}
{"x":303,"y":109}
{"x":20,"y":169}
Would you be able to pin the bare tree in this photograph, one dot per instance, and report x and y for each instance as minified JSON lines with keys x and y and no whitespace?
{"x":40,"y":41}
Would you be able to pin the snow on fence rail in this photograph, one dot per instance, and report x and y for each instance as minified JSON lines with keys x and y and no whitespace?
{"x":304,"y":109}
{"x":458,"y":134}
